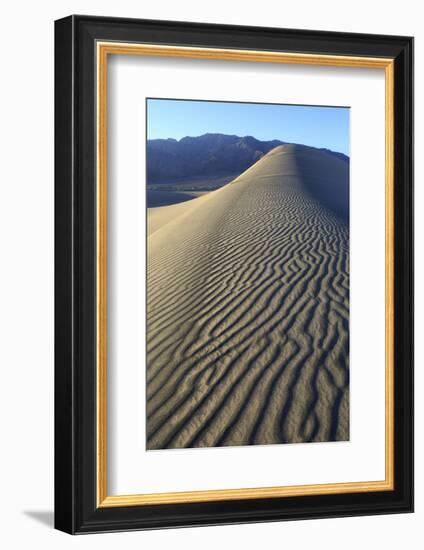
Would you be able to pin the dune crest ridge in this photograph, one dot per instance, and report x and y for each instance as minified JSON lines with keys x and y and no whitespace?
{"x":248,"y":308}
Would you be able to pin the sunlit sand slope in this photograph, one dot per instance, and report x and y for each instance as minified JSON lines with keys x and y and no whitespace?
{"x":248,"y":308}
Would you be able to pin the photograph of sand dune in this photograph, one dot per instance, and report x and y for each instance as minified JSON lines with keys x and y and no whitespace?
{"x":247,"y":274}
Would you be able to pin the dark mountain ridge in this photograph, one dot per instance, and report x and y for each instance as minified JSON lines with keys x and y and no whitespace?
{"x":170,"y":160}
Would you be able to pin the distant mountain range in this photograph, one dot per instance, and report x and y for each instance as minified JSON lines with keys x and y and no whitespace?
{"x":169,"y":160}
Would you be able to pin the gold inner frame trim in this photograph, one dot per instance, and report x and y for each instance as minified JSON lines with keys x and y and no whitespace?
{"x":104,"y":49}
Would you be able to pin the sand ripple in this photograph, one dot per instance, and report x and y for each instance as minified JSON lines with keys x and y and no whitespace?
{"x":248,"y":309}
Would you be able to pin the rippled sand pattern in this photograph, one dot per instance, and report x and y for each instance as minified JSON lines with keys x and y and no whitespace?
{"x":248,"y":309}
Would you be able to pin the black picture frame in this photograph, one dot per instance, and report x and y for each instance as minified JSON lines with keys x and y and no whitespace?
{"x":76,"y":509}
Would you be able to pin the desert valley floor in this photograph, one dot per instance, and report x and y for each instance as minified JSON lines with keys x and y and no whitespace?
{"x":248,"y":308}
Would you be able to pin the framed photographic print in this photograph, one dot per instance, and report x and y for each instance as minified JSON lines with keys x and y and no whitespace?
{"x":233,"y":274}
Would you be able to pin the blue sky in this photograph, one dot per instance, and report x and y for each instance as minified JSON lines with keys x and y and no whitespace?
{"x":316,"y":126}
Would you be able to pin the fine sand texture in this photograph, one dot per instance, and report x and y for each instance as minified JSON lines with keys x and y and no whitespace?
{"x":248,"y":308}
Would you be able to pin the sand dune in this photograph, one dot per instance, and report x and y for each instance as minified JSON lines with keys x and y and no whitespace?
{"x":248,"y":308}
